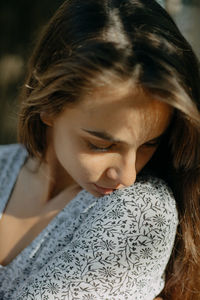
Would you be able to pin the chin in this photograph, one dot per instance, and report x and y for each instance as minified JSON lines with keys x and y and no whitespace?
{"x":98,"y":194}
{"x":91,"y":189}
{"x":95,"y":194}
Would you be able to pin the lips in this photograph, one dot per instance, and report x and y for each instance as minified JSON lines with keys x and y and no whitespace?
{"x":104,"y":191}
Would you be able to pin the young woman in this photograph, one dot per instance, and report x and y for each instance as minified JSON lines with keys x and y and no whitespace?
{"x":112,"y":93}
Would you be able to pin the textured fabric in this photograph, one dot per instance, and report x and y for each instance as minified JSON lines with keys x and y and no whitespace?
{"x":111,"y":248}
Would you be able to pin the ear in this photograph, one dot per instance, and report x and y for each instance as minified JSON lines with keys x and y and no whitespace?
{"x":46,"y":118}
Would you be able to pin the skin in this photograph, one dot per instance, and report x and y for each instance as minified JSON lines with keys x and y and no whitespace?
{"x":113,"y":133}
{"x":99,"y":144}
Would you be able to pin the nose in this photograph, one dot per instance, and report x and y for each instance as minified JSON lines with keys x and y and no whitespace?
{"x":124,"y":172}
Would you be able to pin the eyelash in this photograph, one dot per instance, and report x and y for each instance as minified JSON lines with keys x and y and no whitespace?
{"x":105,"y":149}
{"x":99,"y":149}
{"x":152,"y":144}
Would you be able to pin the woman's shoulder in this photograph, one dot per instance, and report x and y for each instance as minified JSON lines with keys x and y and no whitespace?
{"x":152,"y":198}
{"x":146,"y":209}
{"x":6,"y":150}
{"x":127,"y":234}
{"x":149,"y":200}
{"x":11,"y":157}
{"x":149,"y":186}
{"x":147,"y":192}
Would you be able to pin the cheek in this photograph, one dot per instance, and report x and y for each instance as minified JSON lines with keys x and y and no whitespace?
{"x":92,"y":166}
{"x":72,"y":155}
{"x":80,"y":165}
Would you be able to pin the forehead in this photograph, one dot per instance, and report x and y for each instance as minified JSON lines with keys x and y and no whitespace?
{"x":122,"y":109}
{"x":121,"y":95}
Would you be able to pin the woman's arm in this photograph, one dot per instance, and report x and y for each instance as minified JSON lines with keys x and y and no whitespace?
{"x":120,"y":250}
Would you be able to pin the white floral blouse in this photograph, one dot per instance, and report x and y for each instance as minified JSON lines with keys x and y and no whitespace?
{"x":111,"y":248}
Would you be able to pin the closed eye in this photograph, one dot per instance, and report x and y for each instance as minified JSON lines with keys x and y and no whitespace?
{"x":153,"y":143}
{"x":98,"y":148}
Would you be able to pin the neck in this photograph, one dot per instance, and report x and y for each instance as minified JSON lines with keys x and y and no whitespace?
{"x":49,"y":176}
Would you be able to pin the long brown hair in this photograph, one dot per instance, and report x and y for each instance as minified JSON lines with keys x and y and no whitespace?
{"x":90,"y":42}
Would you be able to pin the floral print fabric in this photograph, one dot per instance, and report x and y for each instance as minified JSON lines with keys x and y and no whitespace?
{"x":111,"y":248}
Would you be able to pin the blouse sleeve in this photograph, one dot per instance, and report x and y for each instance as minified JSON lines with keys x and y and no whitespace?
{"x":119,"y":252}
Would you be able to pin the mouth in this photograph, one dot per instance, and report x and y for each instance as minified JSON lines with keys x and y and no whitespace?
{"x":104,"y":191}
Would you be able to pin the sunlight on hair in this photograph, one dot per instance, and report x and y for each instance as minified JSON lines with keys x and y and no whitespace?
{"x":115,"y":31}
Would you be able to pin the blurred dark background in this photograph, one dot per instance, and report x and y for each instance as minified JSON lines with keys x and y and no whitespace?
{"x":20,"y":24}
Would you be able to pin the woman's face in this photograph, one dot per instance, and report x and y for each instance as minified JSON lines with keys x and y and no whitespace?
{"x":108,"y":137}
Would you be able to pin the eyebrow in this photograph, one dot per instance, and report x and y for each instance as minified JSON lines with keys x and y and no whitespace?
{"x":106,"y":136}
{"x":103,"y":135}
